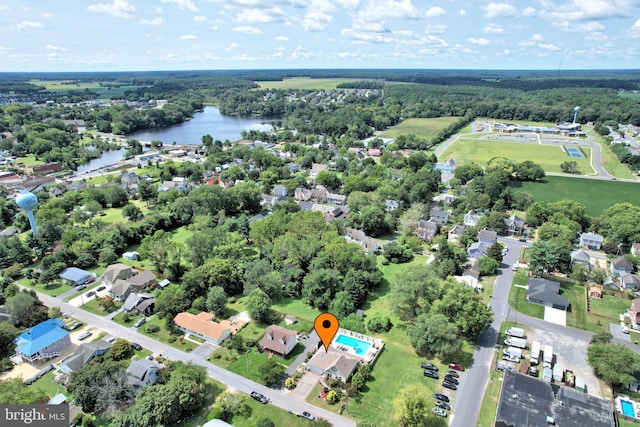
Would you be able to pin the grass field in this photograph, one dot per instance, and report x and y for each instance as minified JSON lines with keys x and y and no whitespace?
{"x":304,"y":83}
{"x":466,"y":150}
{"x":65,"y":85}
{"x":420,"y":127}
{"x":29,"y":160}
{"x":490,"y":400}
{"x":596,"y":195}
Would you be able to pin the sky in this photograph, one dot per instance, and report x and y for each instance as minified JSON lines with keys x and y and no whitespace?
{"x":147,"y":35}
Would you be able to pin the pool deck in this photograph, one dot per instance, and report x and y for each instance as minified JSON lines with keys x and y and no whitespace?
{"x":372,"y":352}
{"x":636,"y":406}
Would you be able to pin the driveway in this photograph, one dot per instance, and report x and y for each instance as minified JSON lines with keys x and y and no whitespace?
{"x":306,"y":383}
{"x":553,"y":315}
{"x":204,"y":349}
{"x":310,"y":345}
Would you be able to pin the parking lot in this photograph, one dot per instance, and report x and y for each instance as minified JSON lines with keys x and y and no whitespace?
{"x":570,"y":353}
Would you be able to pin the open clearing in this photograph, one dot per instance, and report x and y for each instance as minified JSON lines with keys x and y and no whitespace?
{"x":103,"y":91}
{"x":596,"y":195}
{"x":304,"y":83}
{"x":420,"y":127}
{"x":549,"y":157}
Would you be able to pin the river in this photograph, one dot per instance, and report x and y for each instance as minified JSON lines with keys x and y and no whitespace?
{"x":209,"y":121}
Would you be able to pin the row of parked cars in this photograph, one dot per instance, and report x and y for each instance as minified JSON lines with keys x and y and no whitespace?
{"x":451,"y":381}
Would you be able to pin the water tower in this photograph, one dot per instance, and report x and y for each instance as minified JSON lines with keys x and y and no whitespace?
{"x":28,"y":201}
{"x":575,"y":114}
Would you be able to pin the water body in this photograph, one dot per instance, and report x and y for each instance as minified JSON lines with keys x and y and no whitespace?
{"x":107,"y":158}
{"x":208,"y":122}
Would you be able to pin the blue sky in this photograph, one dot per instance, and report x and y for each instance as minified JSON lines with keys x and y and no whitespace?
{"x":132,"y":35}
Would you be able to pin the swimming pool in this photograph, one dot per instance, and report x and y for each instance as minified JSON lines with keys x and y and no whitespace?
{"x":360,"y":347}
{"x":627,"y":408}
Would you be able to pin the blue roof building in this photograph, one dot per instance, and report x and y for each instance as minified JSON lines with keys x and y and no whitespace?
{"x":43,"y":341}
{"x":75,"y":275}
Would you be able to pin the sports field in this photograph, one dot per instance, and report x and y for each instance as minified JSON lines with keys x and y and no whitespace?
{"x":597,"y":195}
{"x":420,"y":127}
{"x":304,"y":83}
{"x":466,"y":150}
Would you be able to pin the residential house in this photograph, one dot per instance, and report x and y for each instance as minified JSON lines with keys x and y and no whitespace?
{"x":478,"y":250}
{"x":580,"y":257}
{"x":488,"y":237}
{"x":634,"y":313}
{"x":439,"y":215}
{"x":181,"y":186}
{"x":316,"y":168}
{"x":359,"y":237}
{"x":76,"y":185}
{"x":84,"y":354}
{"x":471,"y":219}
{"x":591,"y":241}
{"x":204,"y":326}
{"x":114,"y":272}
{"x":336,"y":199}
{"x":333,"y":364}
{"x":391,"y":205}
{"x":471,"y":275}
{"x":546,"y":293}
{"x":121,"y":289}
{"x":629,"y":281}
{"x":55,"y":192}
{"x":43,"y":341}
{"x":302,"y":194}
{"x":141,"y":373}
{"x":75,"y":276}
{"x":279,"y":340}
{"x":427,"y":230}
{"x":280,"y":191}
{"x":374,"y":152}
{"x":514,"y":225}
{"x":456,"y":233}
{"x":620,"y":266}
{"x":129,"y":181}
{"x":142,"y":302}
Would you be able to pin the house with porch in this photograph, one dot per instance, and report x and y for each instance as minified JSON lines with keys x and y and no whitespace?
{"x":333,"y":364}
{"x":114,"y":272}
{"x":204,"y":326}
{"x":84,"y":354}
{"x":279,"y":340}
{"x":591,"y":241}
{"x":427,"y":230}
{"x":142,"y":302}
{"x":620,"y":266}
{"x":514,"y":225}
{"x":45,"y":340}
{"x":471,"y":219}
{"x":121,"y":289}
{"x":439,"y":215}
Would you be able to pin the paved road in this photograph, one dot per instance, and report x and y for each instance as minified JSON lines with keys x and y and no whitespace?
{"x":234,"y":381}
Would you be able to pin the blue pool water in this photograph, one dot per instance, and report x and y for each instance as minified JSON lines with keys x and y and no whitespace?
{"x":627,"y":408}
{"x":575,"y":152}
{"x":361,"y":347}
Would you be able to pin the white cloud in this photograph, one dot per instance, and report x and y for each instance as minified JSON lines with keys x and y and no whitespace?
{"x":462,"y":12}
{"x":634,"y":30}
{"x":232,"y":46}
{"x":435,"y":11}
{"x":348,"y":4}
{"x":214,"y":27}
{"x":119,"y":8}
{"x":435,"y":28}
{"x":316,"y":21}
{"x":579,"y":27}
{"x":499,"y":10}
{"x":493,"y":29}
{"x":56,"y":48}
{"x":358,"y":36}
{"x":529,"y":11}
{"x":537,"y":38}
{"x":252,"y":16}
{"x":23,"y":25}
{"x":384,"y":9}
{"x":576,"y":10}
{"x":200,"y":18}
{"x":182,"y":4}
{"x":155,"y":21}
{"x":282,"y":38}
{"x":480,"y":42}
{"x":188,"y":37}
{"x":247,"y":29}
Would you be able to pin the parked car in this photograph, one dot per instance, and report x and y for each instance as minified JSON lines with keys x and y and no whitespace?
{"x":452,"y":374}
{"x":439,"y":411}
{"x":504,"y":367}
{"x":149,"y":357}
{"x":451,"y":380}
{"x":81,"y":287}
{"x":427,"y":365}
{"x":443,"y":405}
{"x":510,"y":358}
{"x":136,"y":346}
{"x":514,"y":267}
{"x":90,"y":294}
{"x":74,"y":326}
{"x":259,"y":397}
{"x":449,"y":385}
{"x":431,"y":374}
{"x":110,"y":338}
{"x":307,"y":415}
{"x":625,"y":330}
{"x":85,"y":335}
{"x":140,"y":322}
{"x":456,"y":366}
{"x":442,"y":397}
{"x":100,"y":288}
{"x":523,"y":239}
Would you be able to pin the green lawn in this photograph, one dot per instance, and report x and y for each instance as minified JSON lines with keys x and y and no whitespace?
{"x":52,"y":289}
{"x":577,"y":313}
{"x":246,"y":364}
{"x":596,"y":195}
{"x":280,"y":417}
{"x":609,"y":306}
{"x":29,"y":160}
{"x":304,"y":83}
{"x":164,"y":336}
{"x":549,"y":157}
{"x":489,"y":407}
{"x":296,"y":307}
{"x":420,"y":127}
{"x":46,"y":384}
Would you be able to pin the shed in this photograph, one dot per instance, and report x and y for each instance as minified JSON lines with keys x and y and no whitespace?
{"x":289,"y":319}
{"x":595,"y":292}
{"x":58,"y":399}
{"x":75,"y":275}
{"x":164,"y":283}
{"x":132,"y":256}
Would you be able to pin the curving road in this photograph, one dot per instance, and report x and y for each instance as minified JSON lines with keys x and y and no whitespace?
{"x":234,"y":381}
